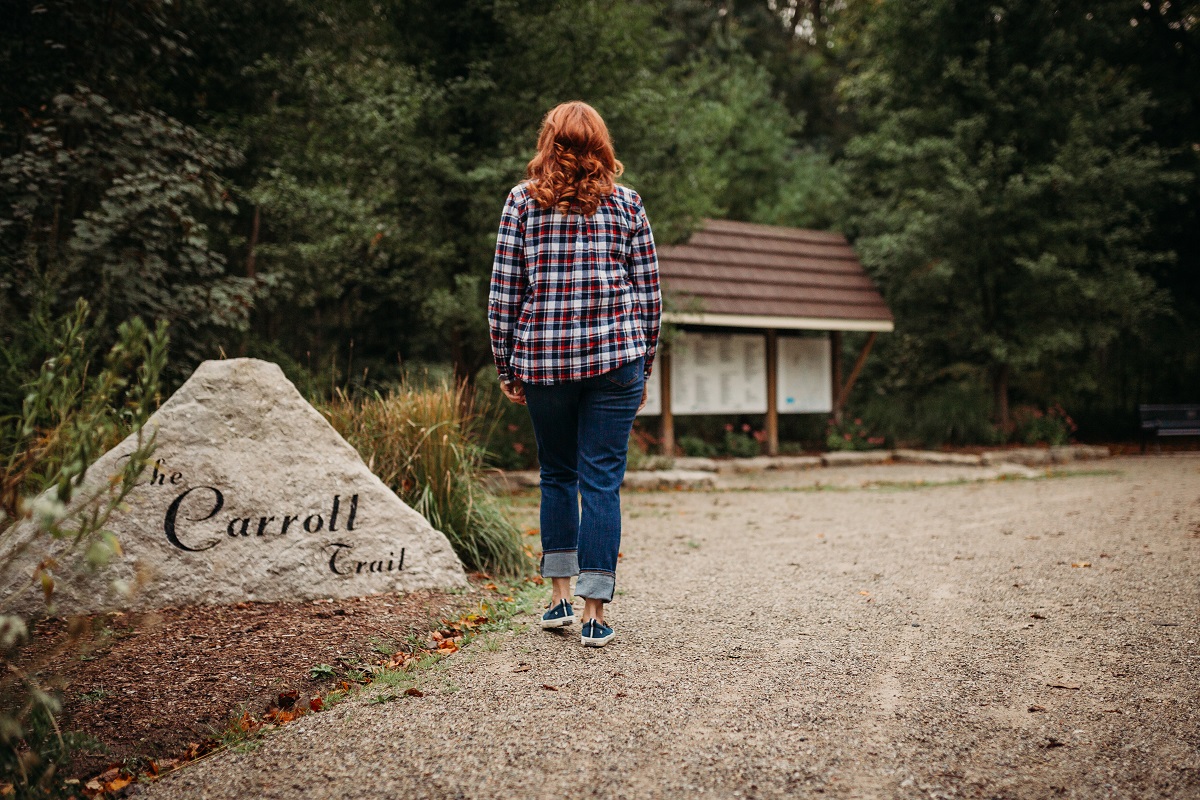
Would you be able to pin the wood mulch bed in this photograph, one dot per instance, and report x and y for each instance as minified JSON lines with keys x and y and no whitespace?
{"x":154,"y":686}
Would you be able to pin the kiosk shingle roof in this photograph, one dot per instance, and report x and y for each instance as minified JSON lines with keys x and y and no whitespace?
{"x":747,"y":275}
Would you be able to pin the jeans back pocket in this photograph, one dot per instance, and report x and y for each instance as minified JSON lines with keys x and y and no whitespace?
{"x":626,"y":375}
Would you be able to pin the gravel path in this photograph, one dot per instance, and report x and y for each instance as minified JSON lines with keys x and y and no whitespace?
{"x":1004,"y":639}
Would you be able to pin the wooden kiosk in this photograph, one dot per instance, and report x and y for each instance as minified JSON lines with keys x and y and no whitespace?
{"x":760,"y":311}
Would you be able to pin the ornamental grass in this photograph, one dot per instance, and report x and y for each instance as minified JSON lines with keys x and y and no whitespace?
{"x":423,"y":442}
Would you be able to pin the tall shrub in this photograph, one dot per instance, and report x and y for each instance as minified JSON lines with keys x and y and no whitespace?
{"x":72,"y":413}
{"x":423,"y":443}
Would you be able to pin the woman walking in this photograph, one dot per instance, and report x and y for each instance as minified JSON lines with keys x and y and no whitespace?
{"x":574,"y":312}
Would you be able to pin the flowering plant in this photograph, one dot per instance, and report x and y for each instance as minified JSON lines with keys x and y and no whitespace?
{"x":744,"y":442}
{"x":850,"y":435}
{"x":1053,"y":426}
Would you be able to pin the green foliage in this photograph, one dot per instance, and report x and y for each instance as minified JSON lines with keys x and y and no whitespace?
{"x":696,"y":447}
{"x":422,"y":442}
{"x":321,"y":672}
{"x":708,"y":439}
{"x":509,"y":440}
{"x":1019,"y":177}
{"x":742,"y":443}
{"x":112,"y":206}
{"x":71,"y":414}
{"x":1053,"y":426}
{"x":952,"y":412}
{"x":850,"y":435}
{"x":34,"y":752}
{"x":1003,"y":180}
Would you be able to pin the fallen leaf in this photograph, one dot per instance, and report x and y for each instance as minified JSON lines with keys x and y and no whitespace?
{"x":1035,"y":709}
{"x":118,"y":784}
{"x":491,"y":587}
{"x":549,"y":688}
{"x":316,"y":703}
{"x":864,"y":592}
{"x":288,"y":699}
{"x":414,"y":692}
{"x":1036,"y":615}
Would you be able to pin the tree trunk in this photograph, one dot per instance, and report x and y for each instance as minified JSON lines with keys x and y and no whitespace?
{"x":1000,"y":397}
{"x":252,"y":247}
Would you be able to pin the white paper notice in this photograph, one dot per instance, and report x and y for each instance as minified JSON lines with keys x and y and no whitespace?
{"x":804,"y":380}
{"x":718,"y":373}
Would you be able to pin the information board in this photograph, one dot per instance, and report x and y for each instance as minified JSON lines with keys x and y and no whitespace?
{"x":804,"y":381}
{"x":718,"y":373}
{"x":653,"y":392}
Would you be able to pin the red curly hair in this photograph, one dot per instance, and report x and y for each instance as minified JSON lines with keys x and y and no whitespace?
{"x":575,"y":163}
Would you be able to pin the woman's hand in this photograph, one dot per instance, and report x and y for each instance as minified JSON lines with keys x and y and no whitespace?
{"x":645,"y":394}
{"x":516,"y":392}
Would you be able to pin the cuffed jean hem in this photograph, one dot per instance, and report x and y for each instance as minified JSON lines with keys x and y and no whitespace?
{"x":596,"y":586}
{"x":560,"y":564}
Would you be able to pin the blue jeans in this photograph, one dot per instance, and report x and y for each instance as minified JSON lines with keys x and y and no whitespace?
{"x":582,"y":429}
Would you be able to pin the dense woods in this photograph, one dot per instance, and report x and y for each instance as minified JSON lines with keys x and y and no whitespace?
{"x":318,"y":184}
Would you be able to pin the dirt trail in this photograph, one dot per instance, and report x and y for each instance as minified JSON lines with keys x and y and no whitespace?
{"x":855,"y":643}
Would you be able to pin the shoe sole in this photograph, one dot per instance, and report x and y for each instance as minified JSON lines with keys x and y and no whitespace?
{"x":596,"y":641}
{"x":548,"y":624}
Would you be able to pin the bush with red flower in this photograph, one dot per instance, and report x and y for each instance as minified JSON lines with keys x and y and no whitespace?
{"x":850,"y":435}
{"x":1053,"y":426}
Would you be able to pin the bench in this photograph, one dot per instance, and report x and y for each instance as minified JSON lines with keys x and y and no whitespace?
{"x":1175,"y":419}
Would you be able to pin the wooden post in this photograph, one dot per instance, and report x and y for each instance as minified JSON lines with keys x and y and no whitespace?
{"x":772,"y":392}
{"x":835,"y":361}
{"x":844,"y":394}
{"x":664,"y":391}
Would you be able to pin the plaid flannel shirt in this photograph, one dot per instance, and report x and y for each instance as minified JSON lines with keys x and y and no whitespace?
{"x":573,"y":296}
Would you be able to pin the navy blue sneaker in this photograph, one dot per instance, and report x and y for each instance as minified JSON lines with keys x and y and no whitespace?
{"x":561,"y":615}
{"x":596,"y":633}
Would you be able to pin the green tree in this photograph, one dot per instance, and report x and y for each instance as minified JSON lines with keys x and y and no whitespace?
{"x":102,"y":194}
{"x":1002,"y":181}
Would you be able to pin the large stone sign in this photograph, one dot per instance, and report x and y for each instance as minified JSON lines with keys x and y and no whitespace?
{"x":254,"y":496}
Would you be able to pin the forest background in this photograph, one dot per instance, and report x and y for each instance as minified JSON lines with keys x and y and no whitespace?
{"x":319,"y":184}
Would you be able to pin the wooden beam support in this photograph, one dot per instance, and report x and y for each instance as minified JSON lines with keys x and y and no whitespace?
{"x":835,"y":364}
{"x":772,"y":427}
{"x":844,"y":394}
{"x":663,"y":369}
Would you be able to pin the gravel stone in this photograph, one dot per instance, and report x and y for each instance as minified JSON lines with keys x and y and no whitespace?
{"x":777,"y":641}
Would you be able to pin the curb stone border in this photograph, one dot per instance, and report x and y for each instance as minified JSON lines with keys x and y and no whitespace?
{"x":694,"y":473}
